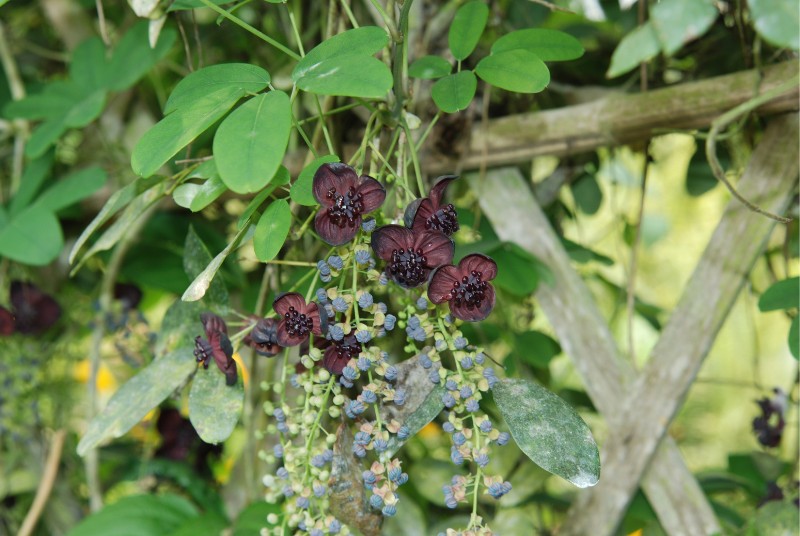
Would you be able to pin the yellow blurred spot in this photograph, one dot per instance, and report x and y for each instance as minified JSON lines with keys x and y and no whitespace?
{"x":636,"y":533}
{"x":430,"y":430}
{"x":105,"y":380}
{"x":245,"y":372}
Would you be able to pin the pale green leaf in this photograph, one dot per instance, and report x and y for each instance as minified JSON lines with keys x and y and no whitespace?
{"x":81,"y":113}
{"x":454,"y":92}
{"x":348,"y":76}
{"x":88,"y":67}
{"x":639,"y":46}
{"x":429,"y":67}
{"x":514,"y":70}
{"x":272,"y":229}
{"x":197,"y":289}
{"x":32,"y":237}
{"x":214,"y":407}
{"x":301,"y":191}
{"x":195,"y":259}
{"x":72,"y":188}
{"x":548,"y":45}
{"x":133,"y":57}
{"x":467,"y":27}
{"x":32,"y":178}
{"x":362,"y":42}
{"x":777,"y":21}
{"x":139,"y":515}
{"x":224,"y":79}
{"x":676,"y":22}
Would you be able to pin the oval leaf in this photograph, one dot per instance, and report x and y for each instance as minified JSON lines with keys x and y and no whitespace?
{"x":72,"y":188}
{"x":214,"y":407}
{"x":195,"y":259}
{"x":794,"y":337}
{"x":548,"y":45}
{"x":454,"y":92}
{"x":679,"y":21}
{"x":143,"y":515}
{"x":301,"y":191}
{"x":784,"y":294}
{"x":776,"y":21}
{"x":549,"y":431}
{"x":281,"y":177}
{"x":348,"y":76}
{"x":639,"y":46}
{"x":514,"y":70}
{"x":32,"y":237}
{"x":197,"y":289}
{"x":249,"y":145}
{"x":272,"y":230}
{"x":467,"y":27}
{"x":138,"y":396}
{"x":429,"y":67}
{"x":364,"y":41}
{"x":239,"y":78}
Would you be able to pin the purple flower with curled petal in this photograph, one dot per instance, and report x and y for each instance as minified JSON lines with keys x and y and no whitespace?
{"x":339,"y":353}
{"x":465,"y":287}
{"x":297,"y":319}
{"x":216,"y":345}
{"x":345,"y":198}
{"x":410,"y":256}
{"x":264,"y":337}
{"x":430,"y":214}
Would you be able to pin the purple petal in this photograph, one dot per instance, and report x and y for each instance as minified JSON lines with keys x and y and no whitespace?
{"x":389,"y":238}
{"x":374,"y":194}
{"x":283,"y":302}
{"x":411,"y":212}
{"x":479,"y":263}
{"x":6,"y":322}
{"x":312,"y":312}
{"x":332,"y":362}
{"x":424,"y":211}
{"x":286,"y":340}
{"x":475,"y":314}
{"x":442,"y":282}
{"x":437,"y":247}
{"x":213,"y":323}
{"x":332,"y":233}
{"x":337,"y":176}
{"x":437,"y":192}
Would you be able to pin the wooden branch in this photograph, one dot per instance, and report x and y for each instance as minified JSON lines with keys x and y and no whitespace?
{"x":653,"y":400}
{"x":45,"y":484}
{"x":584,"y":335}
{"x":616,"y":120}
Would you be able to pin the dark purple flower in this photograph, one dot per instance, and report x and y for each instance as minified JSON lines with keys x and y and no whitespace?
{"x":6,"y":322}
{"x":339,"y":353}
{"x":466,"y":287}
{"x":264,"y":337}
{"x":429,"y":214}
{"x":345,"y":198}
{"x":297,"y":319}
{"x":769,"y":426}
{"x":410,"y":256}
{"x":216,"y":345}
{"x":33,"y":310}
{"x":130,"y":295}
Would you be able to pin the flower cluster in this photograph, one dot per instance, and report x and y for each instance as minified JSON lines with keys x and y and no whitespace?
{"x":769,"y":426}
{"x":32,"y":311}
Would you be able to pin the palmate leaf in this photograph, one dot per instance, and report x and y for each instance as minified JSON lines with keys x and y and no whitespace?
{"x":548,"y":431}
{"x":454,"y":92}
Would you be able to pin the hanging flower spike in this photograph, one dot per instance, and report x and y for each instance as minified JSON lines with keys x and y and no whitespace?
{"x":264,"y":337}
{"x":466,"y":287}
{"x":297,"y":319}
{"x":216,"y":345}
{"x":410,"y":256}
{"x":429,"y":214}
{"x":33,"y":310}
{"x":339,"y":353}
{"x":345,"y":198}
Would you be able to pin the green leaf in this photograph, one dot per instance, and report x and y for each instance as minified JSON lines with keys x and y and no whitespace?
{"x":301,"y":192}
{"x":467,"y":27}
{"x":55,"y":99}
{"x":195,"y":258}
{"x":639,"y":46}
{"x":587,"y":194}
{"x":784,"y":294}
{"x":225,"y":79}
{"x":250,"y":143}
{"x":514,"y":70}
{"x":776,"y":21}
{"x":32,"y":178}
{"x":138,"y":515}
{"x":281,"y":177}
{"x":197,"y":289}
{"x":72,"y":188}
{"x":794,"y":337}
{"x":180,"y":5}
{"x":254,"y":517}
{"x":348,"y":76}
{"x":548,"y":431}
{"x":81,"y":113}
{"x":32,"y":237}
{"x":454,"y":92}
{"x":429,"y":67}
{"x":133,"y":57}
{"x":138,"y":396}
{"x":548,"y":45}
{"x":214,"y":407}
{"x":207,"y":524}
{"x":676,"y":22}
{"x":518,"y":271}
{"x":196,"y":197}
{"x":775,"y":518}
{"x":179,"y":327}
{"x":88,"y":67}
{"x":536,"y":348}
{"x":272,"y":230}
{"x":362,"y":42}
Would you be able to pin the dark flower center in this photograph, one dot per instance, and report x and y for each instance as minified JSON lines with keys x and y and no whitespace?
{"x":470,"y":291}
{"x":297,"y":324}
{"x":444,"y":220}
{"x":408,"y":267}
{"x":348,"y":348}
{"x":346,"y":208}
{"x":202,"y":350}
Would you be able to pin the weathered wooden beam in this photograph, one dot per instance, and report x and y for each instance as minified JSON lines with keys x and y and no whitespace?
{"x":583,"y":333}
{"x":657,"y":394}
{"x":615,"y":120}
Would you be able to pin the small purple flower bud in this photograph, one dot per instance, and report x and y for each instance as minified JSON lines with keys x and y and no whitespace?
{"x":455,"y":456}
{"x":425,"y":361}
{"x":361,"y":438}
{"x":485,"y":426}
{"x":325,"y":278}
{"x":287,"y":491}
{"x":339,"y":305}
{"x":282,"y":428}
{"x":363,"y":364}
{"x":365,"y":301}
{"x":334,"y":527}
{"x":369,"y":479}
{"x":302,"y":502}
{"x":380,"y":445}
{"x":441,"y":345}
{"x":323,"y":268}
{"x":490,"y":377}
{"x":277,"y":450}
{"x":282,"y":473}
{"x":359,"y":451}
{"x":336,"y":332}
{"x":318,"y":461}
{"x":403,"y":433}
{"x":416,"y":334}
{"x":422,"y":303}
{"x":350,"y":373}
{"x":354,"y":408}
{"x":375,"y":501}
{"x":344,"y":382}
{"x":433,"y":376}
{"x":447,"y":490}
{"x":448,"y":427}
{"x":383,"y":279}
{"x":336,"y":262}
{"x":391,"y":373}
{"x":316,"y":532}
{"x":368,"y":225}
{"x":382,"y":307}
{"x":319,"y":490}
{"x":496,"y":490}
{"x":480,"y":358}
{"x":399,"y":397}
{"x":448,"y":400}
{"x":363,"y":336}
{"x":329,"y":312}
{"x":279,"y":415}
{"x":394,"y":473}
{"x":402,"y":479}
{"x":472,"y":405}
{"x":327,"y":455}
{"x":503,"y":438}
{"x":322,"y":296}
{"x":482,"y":460}
{"x":414,"y":322}
{"x":451,"y":385}
{"x":389,"y":510}
{"x":466,"y":363}
{"x":368,"y":397}
{"x":460,"y":343}
{"x":294,"y":381}
{"x":389,"y":322}
{"x":362,"y":256}
{"x":459,"y":439}
{"x":451,"y":502}
{"x":466,"y":391}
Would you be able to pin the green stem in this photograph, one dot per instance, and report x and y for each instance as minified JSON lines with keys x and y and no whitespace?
{"x":428,"y":130}
{"x":324,"y":126}
{"x":346,"y":7}
{"x":414,"y":159}
{"x":390,"y":25}
{"x":399,"y":61}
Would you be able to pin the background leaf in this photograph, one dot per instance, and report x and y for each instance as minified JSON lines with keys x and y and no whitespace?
{"x":794,"y":337}
{"x":214,"y":407}
{"x":429,"y":67}
{"x":514,"y":70}
{"x":32,"y":237}
{"x":548,"y":45}
{"x":195,"y":259}
{"x":225,"y":79}
{"x":454,"y":92}
{"x":250,"y":143}
{"x":348,"y":76}
{"x":783,"y":294}
{"x":639,"y":46}
{"x":362,"y":42}
{"x":72,"y":188}
{"x":133,"y":56}
{"x":197,"y":289}
{"x":676,"y":22}
{"x":272,"y":230}
{"x":301,"y":191}
{"x":536,"y":348}
{"x":139,"y":515}
{"x":548,"y":431}
{"x":467,"y":27}
{"x":776,"y":21}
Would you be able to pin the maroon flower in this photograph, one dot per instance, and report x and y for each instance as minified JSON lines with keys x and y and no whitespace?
{"x":298,"y":319}
{"x":769,"y":426}
{"x":466,"y":287}
{"x":339,"y":353}
{"x":6,"y":322}
{"x":34,"y":311}
{"x":410,"y":256}
{"x":264,"y":337}
{"x":429,"y":214}
{"x":345,"y":198}
{"x":216,"y":345}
